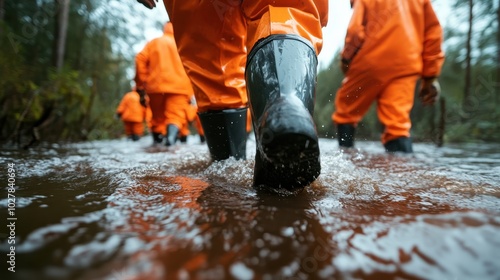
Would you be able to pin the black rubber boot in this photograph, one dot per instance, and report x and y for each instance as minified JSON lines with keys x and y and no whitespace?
{"x":135,"y":137}
{"x":157,"y":138}
{"x":402,"y":144}
{"x":202,"y":138}
{"x":281,"y":86}
{"x":171,"y":137}
{"x":225,"y":133}
{"x":183,"y":139}
{"x":345,"y":135}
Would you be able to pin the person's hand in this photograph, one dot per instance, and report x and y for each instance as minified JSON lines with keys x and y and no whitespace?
{"x":150,"y":4}
{"x":429,"y":91}
{"x":344,"y":65}
{"x":142,"y":97}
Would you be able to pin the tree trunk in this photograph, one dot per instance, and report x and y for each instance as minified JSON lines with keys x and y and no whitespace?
{"x":468,"y":70}
{"x":59,"y":46}
{"x":442,"y":122}
{"x":2,"y":13}
{"x":61,"y":32}
{"x":86,"y":117}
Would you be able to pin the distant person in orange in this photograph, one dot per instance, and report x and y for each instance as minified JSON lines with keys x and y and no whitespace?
{"x":389,"y":45}
{"x":160,"y":73}
{"x":260,"y":55}
{"x":134,"y":113}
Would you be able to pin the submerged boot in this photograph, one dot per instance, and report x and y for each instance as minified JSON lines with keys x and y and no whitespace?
{"x":225,"y":133}
{"x":135,"y":137}
{"x":157,"y":138}
{"x":171,"y":137}
{"x":402,"y":144}
{"x":281,"y":86}
{"x":345,"y":134}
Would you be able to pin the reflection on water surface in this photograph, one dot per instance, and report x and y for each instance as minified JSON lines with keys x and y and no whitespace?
{"x":123,"y":210}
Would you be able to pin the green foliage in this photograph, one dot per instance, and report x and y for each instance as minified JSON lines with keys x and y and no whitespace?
{"x":78,"y":101}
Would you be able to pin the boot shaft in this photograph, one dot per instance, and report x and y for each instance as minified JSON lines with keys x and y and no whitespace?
{"x":157,"y":138}
{"x":345,"y":135}
{"x":172,"y":133}
{"x":280,"y":66}
{"x":225,"y":133}
{"x":401,"y":144}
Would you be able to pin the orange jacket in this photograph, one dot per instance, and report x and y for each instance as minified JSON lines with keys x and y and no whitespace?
{"x":394,"y":38}
{"x":131,"y":110}
{"x":159,"y":68}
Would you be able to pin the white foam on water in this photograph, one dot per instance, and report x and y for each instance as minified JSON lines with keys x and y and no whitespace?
{"x":241,"y":271}
{"x":42,"y":236}
{"x":94,"y":252}
{"x":428,"y":246}
{"x":20,"y":202}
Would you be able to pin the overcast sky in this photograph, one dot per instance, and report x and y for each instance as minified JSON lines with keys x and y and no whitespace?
{"x":338,"y":18}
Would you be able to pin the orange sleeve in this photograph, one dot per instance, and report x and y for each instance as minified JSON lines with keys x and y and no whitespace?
{"x":141,"y":67}
{"x":433,"y":56}
{"x":355,"y":35}
{"x":322,"y":6}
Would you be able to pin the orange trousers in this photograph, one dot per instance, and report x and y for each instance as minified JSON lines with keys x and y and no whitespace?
{"x":132,"y":128}
{"x":184,"y":131}
{"x":213,"y":38}
{"x":167,"y":109}
{"x":190,"y":113}
{"x":394,"y":103}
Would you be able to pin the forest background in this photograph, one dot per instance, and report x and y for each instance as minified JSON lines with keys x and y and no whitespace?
{"x":65,"y":65}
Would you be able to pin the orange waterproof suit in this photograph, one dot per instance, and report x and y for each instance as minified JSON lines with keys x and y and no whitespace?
{"x":159,"y":71}
{"x":388,"y":46}
{"x":190,"y":112}
{"x":214,"y":37}
{"x":133,"y":114}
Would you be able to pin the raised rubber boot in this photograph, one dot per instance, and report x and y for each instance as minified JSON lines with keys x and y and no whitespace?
{"x":225,"y":133}
{"x":281,"y":86}
{"x":171,"y":137}
{"x":157,"y":138}
{"x":345,"y":135}
{"x":402,"y":144}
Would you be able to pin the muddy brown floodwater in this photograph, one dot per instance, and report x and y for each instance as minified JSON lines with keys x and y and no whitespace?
{"x":123,"y":210}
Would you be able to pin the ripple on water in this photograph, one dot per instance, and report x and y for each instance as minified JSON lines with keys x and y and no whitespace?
{"x":452,"y":245}
{"x":171,"y":212}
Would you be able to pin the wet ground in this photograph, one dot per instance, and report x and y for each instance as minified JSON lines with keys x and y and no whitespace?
{"x":124,"y":210}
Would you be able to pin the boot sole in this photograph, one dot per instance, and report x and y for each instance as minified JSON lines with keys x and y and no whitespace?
{"x":290,"y":162}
